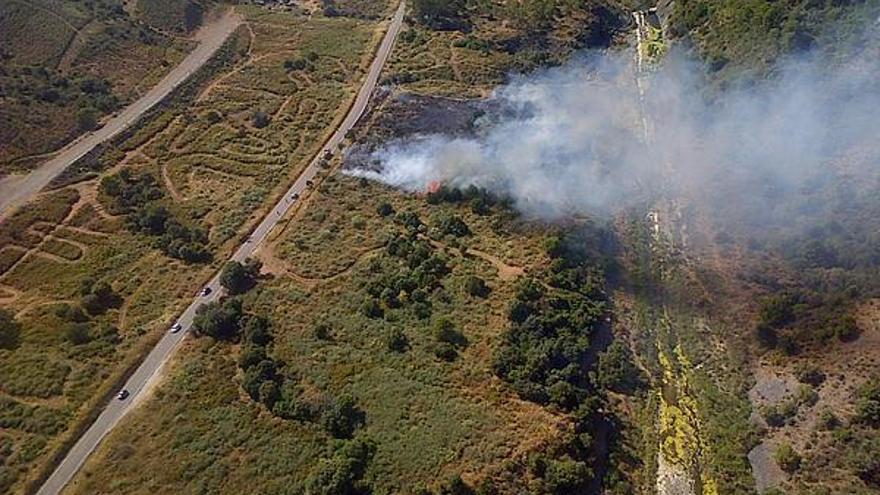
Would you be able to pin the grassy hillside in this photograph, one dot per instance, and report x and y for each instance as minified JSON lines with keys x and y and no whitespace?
{"x":745,"y":38}
{"x":64,"y":65}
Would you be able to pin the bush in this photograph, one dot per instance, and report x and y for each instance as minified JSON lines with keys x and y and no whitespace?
{"x":397,"y":340}
{"x":385,"y":209}
{"x":261,"y":119}
{"x":257,"y":375}
{"x":268,"y":393}
{"x":787,"y":458}
{"x":342,"y":417}
{"x":371,"y":309}
{"x":445,"y":332}
{"x":446,"y":351}
{"x":868,"y":403}
{"x":101,"y":297}
{"x":77,"y":333}
{"x":476,"y":286}
{"x":828,"y":420}
{"x":455,"y":486}
{"x":86,"y":119}
{"x":846,"y":329}
{"x":10,"y":330}
{"x":322,"y":331}
{"x":810,"y":374}
{"x":452,"y":225}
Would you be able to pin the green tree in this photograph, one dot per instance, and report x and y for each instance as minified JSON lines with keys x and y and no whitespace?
{"x":219,"y":320}
{"x":77,"y":333}
{"x":256,"y":330}
{"x":239,"y":278}
{"x":615,"y":370}
{"x":10,"y":330}
{"x":385,"y":209}
{"x":567,"y":476}
{"x":397,"y":340}
{"x":342,"y":417}
{"x":476,"y":286}
{"x":261,"y":119}
{"x":86,"y":118}
{"x":445,"y":331}
{"x":251,"y":354}
{"x":268,"y":393}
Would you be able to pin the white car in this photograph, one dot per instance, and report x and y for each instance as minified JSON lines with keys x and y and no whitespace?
{"x":176,"y":327}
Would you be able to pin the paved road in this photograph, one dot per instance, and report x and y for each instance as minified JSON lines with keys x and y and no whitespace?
{"x":18,"y":190}
{"x":148,"y":370}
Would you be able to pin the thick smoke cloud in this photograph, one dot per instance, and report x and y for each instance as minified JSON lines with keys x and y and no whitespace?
{"x":572,"y":139}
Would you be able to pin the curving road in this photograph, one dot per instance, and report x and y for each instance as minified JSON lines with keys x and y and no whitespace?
{"x":149,"y":369}
{"x":18,"y":190}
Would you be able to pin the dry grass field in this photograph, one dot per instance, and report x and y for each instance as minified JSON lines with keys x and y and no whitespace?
{"x":90,"y":291}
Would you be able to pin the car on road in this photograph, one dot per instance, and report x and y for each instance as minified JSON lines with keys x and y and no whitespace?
{"x":122,"y":395}
{"x":176,"y":327}
{"x":206,"y":291}
{"x":294,"y":197}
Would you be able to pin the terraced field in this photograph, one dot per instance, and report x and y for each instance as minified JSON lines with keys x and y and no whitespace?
{"x":91,"y":292}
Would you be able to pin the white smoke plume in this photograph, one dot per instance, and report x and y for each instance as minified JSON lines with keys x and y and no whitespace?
{"x":571,"y":139}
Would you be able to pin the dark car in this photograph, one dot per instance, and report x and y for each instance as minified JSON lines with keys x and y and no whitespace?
{"x":122,"y":395}
{"x":206,"y":291}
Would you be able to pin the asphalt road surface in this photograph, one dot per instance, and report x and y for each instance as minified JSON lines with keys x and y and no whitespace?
{"x":148,"y":370}
{"x":18,"y":190}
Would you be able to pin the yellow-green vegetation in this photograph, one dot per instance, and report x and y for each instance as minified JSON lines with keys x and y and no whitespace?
{"x":95,"y":272}
{"x":66,"y":64}
{"x":654,"y":46}
{"x":683,"y":444}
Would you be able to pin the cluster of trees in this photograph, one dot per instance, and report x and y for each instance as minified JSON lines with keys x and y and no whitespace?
{"x":79,"y":328}
{"x":817,"y":319}
{"x":140,"y":197}
{"x":545,"y":351}
{"x":91,"y":97}
{"x":451,"y":225}
{"x":420,"y":272}
{"x":480,"y":200}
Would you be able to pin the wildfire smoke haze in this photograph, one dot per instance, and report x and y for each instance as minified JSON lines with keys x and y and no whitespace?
{"x":568,"y":140}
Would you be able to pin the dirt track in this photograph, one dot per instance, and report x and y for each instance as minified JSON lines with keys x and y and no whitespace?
{"x":18,"y":190}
